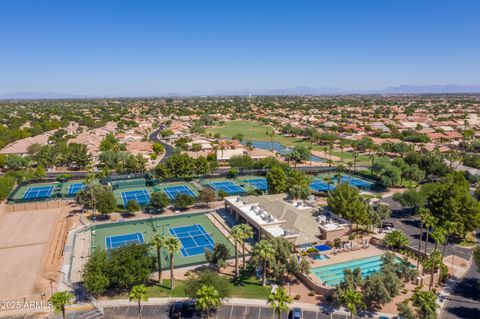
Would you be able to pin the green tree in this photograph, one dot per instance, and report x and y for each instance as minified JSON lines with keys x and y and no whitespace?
{"x":159,"y":201}
{"x":396,"y":239}
{"x":236,"y":234}
{"x":207,"y":196}
{"x":158,"y":148}
{"x":158,"y":242}
{"x":426,"y":303}
{"x":438,"y":235}
{"x":279,"y":301}
{"x":265,"y":253}
{"x":218,"y":256}
{"x":132,"y":206}
{"x":182,"y":201}
{"x":173,"y":246}
{"x":276,"y":180}
{"x":105,"y":202}
{"x":374,"y":290}
{"x":138,"y":294}
{"x":246,"y":234}
{"x":352,"y":300}
{"x":346,"y":202}
{"x":59,"y":300}
{"x":207,"y":298}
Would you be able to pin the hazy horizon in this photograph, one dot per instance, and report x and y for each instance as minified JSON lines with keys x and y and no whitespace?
{"x":112,"y":48}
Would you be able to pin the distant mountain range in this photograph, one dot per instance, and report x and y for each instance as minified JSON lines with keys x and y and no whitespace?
{"x":299,"y":90}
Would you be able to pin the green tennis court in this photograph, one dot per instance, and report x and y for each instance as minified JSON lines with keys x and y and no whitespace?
{"x":164,"y":226}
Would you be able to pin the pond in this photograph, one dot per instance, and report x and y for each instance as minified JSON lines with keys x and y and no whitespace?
{"x":279,"y":148}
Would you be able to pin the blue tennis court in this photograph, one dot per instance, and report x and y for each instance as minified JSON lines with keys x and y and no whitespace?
{"x":141,"y":196}
{"x":356,"y":182}
{"x":113,"y":242}
{"x":38,"y":192}
{"x":173,"y":191}
{"x":228,"y":187}
{"x":260,"y":183}
{"x":320,"y":186}
{"x":194,"y":239}
{"x":74,"y":188}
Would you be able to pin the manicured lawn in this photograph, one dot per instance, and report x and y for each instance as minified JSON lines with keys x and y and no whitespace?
{"x":247,"y":288}
{"x":250,"y":130}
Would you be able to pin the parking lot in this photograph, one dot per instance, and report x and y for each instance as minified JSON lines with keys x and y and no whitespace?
{"x":225,"y":312}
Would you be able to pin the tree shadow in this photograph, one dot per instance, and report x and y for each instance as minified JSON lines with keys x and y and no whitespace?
{"x":468,"y":288}
{"x":463,"y":312}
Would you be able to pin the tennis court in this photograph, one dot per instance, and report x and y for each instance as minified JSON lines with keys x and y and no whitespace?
{"x":260,"y":183}
{"x":320,"y":186}
{"x":113,"y":242}
{"x":360,"y":183}
{"x":228,"y":187}
{"x":194,"y":239}
{"x":149,"y":227}
{"x":173,"y":191}
{"x":74,"y":188}
{"x":140,"y":196}
{"x":38,"y":192}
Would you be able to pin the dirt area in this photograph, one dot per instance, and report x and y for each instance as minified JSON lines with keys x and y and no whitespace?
{"x":31,"y":251}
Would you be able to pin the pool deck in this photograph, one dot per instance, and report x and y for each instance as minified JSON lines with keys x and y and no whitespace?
{"x":343,"y":257}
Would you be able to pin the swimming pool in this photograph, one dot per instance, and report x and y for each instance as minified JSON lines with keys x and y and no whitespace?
{"x":332,"y":275}
{"x":320,"y":257}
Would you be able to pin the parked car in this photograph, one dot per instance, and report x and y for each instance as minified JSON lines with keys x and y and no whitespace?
{"x":296,"y":313}
{"x":182,"y":309}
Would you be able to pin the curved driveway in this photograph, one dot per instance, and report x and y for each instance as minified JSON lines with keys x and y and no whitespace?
{"x":168,"y":148}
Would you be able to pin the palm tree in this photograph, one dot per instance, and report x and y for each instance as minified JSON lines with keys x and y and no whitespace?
{"x":138,"y":293}
{"x":450,"y":228}
{"x":59,"y":300}
{"x":424,"y":213}
{"x":438,"y":236}
{"x":173,"y":246}
{"x":158,"y":242}
{"x":429,"y":222}
{"x":352,"y":300}
{"x":355,"y":155}
{"x":207,"y":298}
{"x":247,"y":233}
{"x":265,"y":252}
{"x":279,"y":301}
{"x":270,"y":134}
{"x":236,"y":235}
{"x":426,"y":302}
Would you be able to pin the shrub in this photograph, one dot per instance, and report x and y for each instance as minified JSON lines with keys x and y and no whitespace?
{"x":297,"y":297}
{"x":311,"y":293}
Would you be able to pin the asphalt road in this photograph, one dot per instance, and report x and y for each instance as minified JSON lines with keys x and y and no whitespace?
{"x":168,"y":148}
{"x":464,"y":302}
{"x":410,"y":225}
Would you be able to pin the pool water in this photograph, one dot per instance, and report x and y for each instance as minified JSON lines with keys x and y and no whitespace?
{"x":332,"y":275}
{"x":320,"y":257}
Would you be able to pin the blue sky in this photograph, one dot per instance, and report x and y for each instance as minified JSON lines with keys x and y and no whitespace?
{"x":121,"y":47}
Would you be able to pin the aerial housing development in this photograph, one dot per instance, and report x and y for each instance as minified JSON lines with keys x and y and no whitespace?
{"x":323,"y":197}
{"x":309,"y":159}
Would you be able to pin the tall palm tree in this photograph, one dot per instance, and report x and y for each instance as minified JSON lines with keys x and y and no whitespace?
{"x":270,"y":134}
{"x":438,"y":236}
{"x":265,"y":252}
{"x":426,"y":302}
{"x":59,"y":300}
{"x":423,"y":213}
{"x":158,"y":242}
{"x":236,"y":235}
{"x":450,"y":228}
{"x":173,"y":246}
{"x":138,"y":293}
{"x":352,"y":300}
{"x":247,"y":233}
{"x":429,"y":222}
{"x":207,"y":298}
{"x":279,"y":301}
{"x":355,"y":156}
